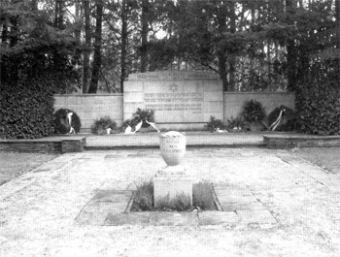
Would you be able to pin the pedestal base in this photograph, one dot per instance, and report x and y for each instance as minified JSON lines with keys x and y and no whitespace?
{"x":177,"y":170}
{"x":171,"y":185}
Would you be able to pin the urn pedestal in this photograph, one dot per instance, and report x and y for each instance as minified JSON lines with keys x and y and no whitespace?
{"x":172,"y":180}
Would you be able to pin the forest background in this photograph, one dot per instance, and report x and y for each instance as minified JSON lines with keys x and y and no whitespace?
{"x":64,"y":46}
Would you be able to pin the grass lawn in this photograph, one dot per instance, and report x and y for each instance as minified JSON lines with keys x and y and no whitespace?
{"x":13,"y":164}
{"x":325,"y":157}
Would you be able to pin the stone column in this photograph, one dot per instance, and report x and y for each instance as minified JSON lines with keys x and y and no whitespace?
{"x":172,"y":180}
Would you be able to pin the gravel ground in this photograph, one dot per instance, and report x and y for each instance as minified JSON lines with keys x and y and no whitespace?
{"x":38,"y":216}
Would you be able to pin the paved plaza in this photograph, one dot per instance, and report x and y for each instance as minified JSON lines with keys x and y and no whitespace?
{"x":273,"y":203}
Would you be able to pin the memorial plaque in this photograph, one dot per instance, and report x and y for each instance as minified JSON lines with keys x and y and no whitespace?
{"x":177,"y":97}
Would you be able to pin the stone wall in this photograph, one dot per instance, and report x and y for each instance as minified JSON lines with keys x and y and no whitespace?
{"x":92,"y":106}
{"x":233,"y":101}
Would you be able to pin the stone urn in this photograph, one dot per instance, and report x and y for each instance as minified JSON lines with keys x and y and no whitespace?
{"x":172,"y":180}
{"x":173,"y":147}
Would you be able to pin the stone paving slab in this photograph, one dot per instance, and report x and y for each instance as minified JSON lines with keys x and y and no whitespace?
{"x":217,"y":218}
{"x":50,"y":166}
{"x":173,"y":219}
{"x":121,"y":219}
{"x":113,"y":156}
{"x":112,"y":207}
{"x":97,"y":212}
{"x":256,"y":216}
{"x":234,"y":206}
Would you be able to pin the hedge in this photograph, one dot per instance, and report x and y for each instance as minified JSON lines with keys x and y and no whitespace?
{"x":26,"y":111}
{"x":318,"y":104}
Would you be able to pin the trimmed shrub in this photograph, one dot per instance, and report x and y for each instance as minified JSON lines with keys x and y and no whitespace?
{"x":319,"y":111}
{"x":60,"y":125}
{"x":253,"y":111}
{"x":26,"y":111}
{"x":213,"y":124}
{"x":100,"y":125}
{"x":318,"y":100}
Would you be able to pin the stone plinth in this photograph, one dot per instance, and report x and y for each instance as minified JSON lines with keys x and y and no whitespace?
{"x":172,"y":185}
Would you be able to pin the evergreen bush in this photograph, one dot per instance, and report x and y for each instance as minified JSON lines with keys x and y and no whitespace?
{"x":318,"y":100}
{"x":26,"y":111}
{"x":34,"y":64}
{"x":60,"y":125}
{"x":100,"y":125}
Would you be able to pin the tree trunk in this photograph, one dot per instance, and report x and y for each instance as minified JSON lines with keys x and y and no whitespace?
{"x":4,"y":33}
{"x":291,"y":57}
{"x":87,"y":46}
{"x":34,"y":4}
{"x":252,"y":22}
{"x":145,"y":28}
{"x":78,"y":19}
{"x":13,"y":40}
{"x":124,"y":39}
{"x":222,"y":52}
{"x":97,"y":61}
{"x":231,"y":84}
{"x":77,"y":32}
{"x":59,"y":14}
{"x":337,"y":19}
{"x":269,"y":64}
{"x":222,"y":68}
{"x":56,"y":13}
{"x":14,"y":31}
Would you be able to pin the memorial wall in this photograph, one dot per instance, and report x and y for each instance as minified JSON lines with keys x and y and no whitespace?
{"x":180,"y":99}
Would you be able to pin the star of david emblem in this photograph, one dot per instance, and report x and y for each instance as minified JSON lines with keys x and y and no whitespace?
{"x":173,"y":88}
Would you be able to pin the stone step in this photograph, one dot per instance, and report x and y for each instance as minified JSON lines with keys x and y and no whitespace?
{"x":193,"y":139}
